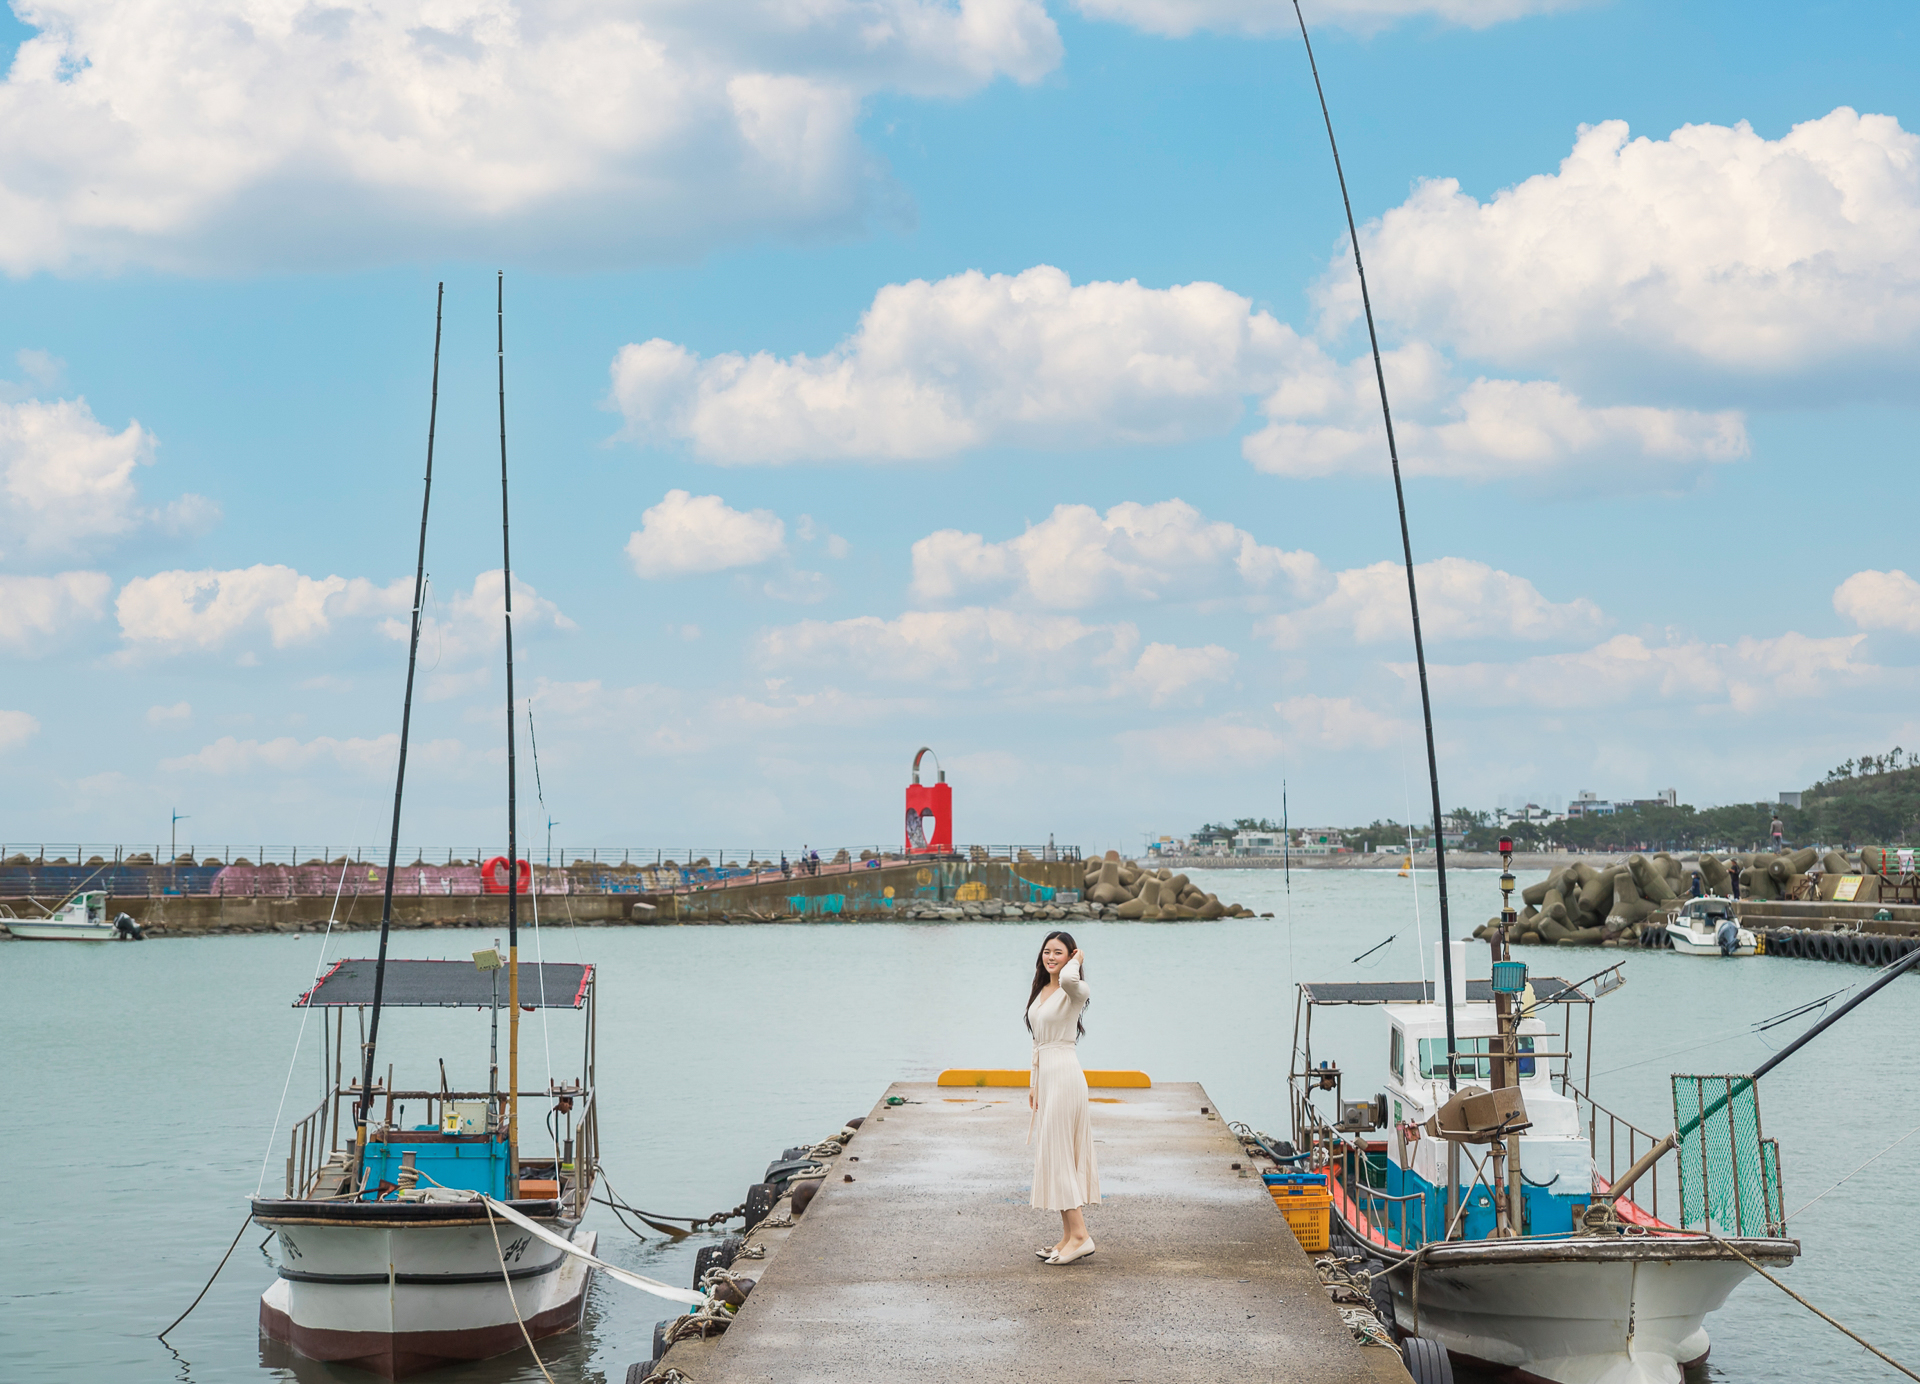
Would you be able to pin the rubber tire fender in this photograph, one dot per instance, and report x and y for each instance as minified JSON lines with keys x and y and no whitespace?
{"x":760,"y":1199}
{"x":1426,"y":1360}
{"x":1826,"y":946}
{"x":1873,"y":952}
{"x":1857,"y":949}
{"x":637,"y":1372}
{"x":719,"y":1255}
{"x":659,"y":1343}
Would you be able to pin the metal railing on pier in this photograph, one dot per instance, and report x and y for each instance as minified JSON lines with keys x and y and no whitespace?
{"x":54,"y":870}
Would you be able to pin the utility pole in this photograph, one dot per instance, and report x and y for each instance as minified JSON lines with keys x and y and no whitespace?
{"x":173,"y":849}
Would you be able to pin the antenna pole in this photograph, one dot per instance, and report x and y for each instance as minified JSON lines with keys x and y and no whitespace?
{"x":513,"y":834}
{"x":1406,"y":544}
{"x":400,"y":774}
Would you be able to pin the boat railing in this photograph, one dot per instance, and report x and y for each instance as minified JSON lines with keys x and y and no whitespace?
{"x":1617,"y":1144}
{"x":307,"y":1150}
{"x":1412,"y":1229}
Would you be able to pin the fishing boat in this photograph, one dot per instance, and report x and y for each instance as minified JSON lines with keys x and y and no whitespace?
{"x":82,"y":918}
{"x":404,"y":1246}
{"x":388,"y":1259}
{"x":1485,"y":1208}
{"x":1708,"y":927}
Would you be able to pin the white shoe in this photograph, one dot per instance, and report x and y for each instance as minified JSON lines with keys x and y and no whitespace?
{"x":1080,"y":1253}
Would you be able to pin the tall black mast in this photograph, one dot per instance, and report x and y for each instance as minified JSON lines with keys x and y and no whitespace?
{"x":1406,"y":545}
{"x":400,"y":774}
{"x":513,"y":822}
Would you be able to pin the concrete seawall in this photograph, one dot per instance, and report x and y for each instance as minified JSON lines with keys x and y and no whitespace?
{"x":862,"y":894}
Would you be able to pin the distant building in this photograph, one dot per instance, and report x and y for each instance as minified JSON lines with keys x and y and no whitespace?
{"x":1258,"y":843}
{"x":1585,"y":804}
{"x":1531,"y":812}
{"x":1790,"y":800}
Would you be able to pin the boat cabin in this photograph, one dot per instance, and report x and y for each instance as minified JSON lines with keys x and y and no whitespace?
{"x":437,"y":1136}
{"x":1400,"y":1170}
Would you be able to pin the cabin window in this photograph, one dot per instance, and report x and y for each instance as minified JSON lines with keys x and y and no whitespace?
{"x":1397,"y":1055}
{"x":1433,"y":1058}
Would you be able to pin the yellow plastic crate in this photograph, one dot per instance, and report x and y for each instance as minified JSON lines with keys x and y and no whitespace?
{"x":1308,"y":1211}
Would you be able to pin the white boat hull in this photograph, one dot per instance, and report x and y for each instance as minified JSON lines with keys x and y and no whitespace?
{"x":396,"y":1299}
{"x":1617,"y":1311}
{"x":54,"y":930}
{"x":1690,"y":943}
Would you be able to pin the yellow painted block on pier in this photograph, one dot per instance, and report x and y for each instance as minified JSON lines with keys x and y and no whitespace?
{"x":1019,"y":1076}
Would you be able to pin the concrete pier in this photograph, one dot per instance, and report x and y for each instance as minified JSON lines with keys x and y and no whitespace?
{"x":922,"y":1266}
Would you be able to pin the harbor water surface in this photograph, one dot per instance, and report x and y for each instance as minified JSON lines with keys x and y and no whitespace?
{"x":144,"y":1080}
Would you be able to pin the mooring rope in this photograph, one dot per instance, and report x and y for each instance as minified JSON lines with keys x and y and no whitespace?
{"x":507,"y":1278}
{"x":216,"y":1273}
{"x":1862,"y":1168}
{"x":1815,"y":1310}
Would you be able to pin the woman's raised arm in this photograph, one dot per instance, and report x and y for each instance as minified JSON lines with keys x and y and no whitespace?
{"x":1072,"y":981}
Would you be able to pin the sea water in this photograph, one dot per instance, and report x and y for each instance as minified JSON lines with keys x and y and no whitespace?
{"x":144,"y":1079}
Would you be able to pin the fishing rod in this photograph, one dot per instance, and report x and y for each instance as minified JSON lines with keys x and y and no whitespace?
{"x":365,"y":1104}
{"x":1406,"y":544}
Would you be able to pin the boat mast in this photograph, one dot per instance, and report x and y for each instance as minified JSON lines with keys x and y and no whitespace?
{"x":513,"y":835}
{"x":365,"y":1105}
{"x":1406,"y":544}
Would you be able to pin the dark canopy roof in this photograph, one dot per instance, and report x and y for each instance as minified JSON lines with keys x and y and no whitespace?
{"x":1546,"y":990}
{"x":449,"y":985}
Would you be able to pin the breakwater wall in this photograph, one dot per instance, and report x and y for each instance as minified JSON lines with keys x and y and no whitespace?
{"x":890,"y":891}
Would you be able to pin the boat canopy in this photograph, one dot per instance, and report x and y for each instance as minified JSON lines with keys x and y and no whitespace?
{"x":448,"y":985}
{"x":1546,"y":990}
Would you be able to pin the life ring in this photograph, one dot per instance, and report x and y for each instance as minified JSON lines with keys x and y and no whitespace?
{"x":490,"y":879}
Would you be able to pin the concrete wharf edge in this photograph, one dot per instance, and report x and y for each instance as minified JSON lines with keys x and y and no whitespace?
{"x":922,"y":1267}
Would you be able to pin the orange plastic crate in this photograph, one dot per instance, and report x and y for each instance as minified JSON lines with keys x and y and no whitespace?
{"x":1308,"y":1211}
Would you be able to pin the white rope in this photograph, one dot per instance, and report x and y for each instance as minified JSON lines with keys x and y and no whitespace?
{"x":273,"y":1139}
{"x":507,"y":1278}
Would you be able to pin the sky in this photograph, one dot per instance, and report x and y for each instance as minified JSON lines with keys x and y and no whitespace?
{"x":980,"y":374}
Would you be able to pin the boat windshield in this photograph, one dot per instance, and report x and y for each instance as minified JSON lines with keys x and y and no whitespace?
{"x":1433,"y":1058}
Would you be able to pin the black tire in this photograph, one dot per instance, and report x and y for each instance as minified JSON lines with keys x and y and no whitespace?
{"x":760,"y":1199}
{"x":797,"y":1151}
{"x":659,"y":1344}
{"x":1857,"y":949}
{"x":1382,"y":1295}
{"x":716,"y":1256}
{"x":1877,"y":952}
{"x":1426,"y":1360}
{"x":636,"y":1374}
{"x":1826,"y":946}
{"x":1795,"y":945}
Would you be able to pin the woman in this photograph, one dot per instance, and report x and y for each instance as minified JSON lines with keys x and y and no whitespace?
{"x":1060,"y":1128}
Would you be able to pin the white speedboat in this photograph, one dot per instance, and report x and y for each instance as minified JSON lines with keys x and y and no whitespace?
{"x":1708,"y":927}
{"x":388,"y":1260}
{"x":82,"y":918}
{"x":1503,"y":1244}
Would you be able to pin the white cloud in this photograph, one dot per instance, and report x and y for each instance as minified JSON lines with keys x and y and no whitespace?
{"x":972,"y":360}
{"x":16,"y":726}
{"x":1032,"y":360}
{"x":1714,"y":248}
{"x":1178,"y":18}
{"x":68,"y":480}
{"x":160,"y":715}
{"x":1076,"y":558}
{"x":984,"y":647}
{"x":35,"y":607}
{"x":1166,"y":672}
{"x":1340,"y":723}
{"x":471,"y":624}
{"x":1325,"y":420}
{"x":173,"y":612}
{"x":686,"y":534}
{"x":960,"y":648}
{"x":228,"y":757}
{"x":1744,"y":676}
{"x":211,"y":133}
{"x":1459,"y":599}
{"x":1880,"y":601}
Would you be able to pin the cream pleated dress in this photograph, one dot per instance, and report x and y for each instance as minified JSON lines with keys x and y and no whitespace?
{"x":1061,"y":1131}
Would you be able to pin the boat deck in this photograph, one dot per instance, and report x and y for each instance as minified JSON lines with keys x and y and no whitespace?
{"x":922,"y":1267}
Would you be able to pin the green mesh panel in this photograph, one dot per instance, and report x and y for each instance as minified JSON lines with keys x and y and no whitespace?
{"x":1729,"y":1175}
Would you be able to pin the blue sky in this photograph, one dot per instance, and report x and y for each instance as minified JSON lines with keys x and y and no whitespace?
{"x":817,"y":316}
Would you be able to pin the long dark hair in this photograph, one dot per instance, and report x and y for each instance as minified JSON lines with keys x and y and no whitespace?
{"x":1040,"y":976}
